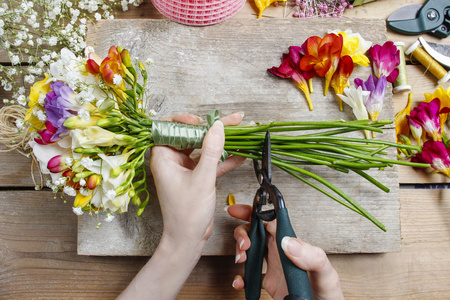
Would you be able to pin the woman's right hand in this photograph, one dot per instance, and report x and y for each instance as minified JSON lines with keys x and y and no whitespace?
{"x":323,"y":277}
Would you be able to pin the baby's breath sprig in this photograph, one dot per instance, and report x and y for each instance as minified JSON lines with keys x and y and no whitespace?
{"x":32,"y":33}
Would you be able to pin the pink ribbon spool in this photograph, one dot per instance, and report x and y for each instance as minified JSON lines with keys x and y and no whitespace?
{"x":198,"y":12}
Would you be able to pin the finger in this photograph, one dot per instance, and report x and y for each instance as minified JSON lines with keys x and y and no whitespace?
{"x":229,"y":164}
{"x":186,"y":119}
{"x":240,"y":211}
{"x":241,"y":236}
{"x":241,"y":256}
{"x":304,"y":255}
{"x":233,"y":119}
{"x":238,"y":282}
{"x":211,"y":152}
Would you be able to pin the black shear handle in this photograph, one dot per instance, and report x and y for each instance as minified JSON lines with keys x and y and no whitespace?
{"x":255,"y":256}
{"x":297,"y":279}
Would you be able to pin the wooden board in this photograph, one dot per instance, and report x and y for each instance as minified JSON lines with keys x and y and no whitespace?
{"x":224,"y":67}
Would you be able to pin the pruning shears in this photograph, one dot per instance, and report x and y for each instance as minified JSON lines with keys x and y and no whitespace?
{"x":297,"y":279}
{"x":433,"y":17}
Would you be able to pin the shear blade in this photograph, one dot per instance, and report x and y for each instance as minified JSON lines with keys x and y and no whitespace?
{"x":402,"y":19}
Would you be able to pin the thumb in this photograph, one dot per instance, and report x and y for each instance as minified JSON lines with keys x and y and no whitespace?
{"x":304,"y":255}
{"x":212,"y":149}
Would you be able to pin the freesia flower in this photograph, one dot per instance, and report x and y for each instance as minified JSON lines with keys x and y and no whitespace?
{"x":355,"y":46}
{"x":290,"y":68}
{"x":385,"y":60}
{"x":323,"y":56}
{"x":109,"y":67}
{"x":340,"y":78}
{"x":401,"y":121}
{"x":427,"y":115}
{"x":37,"y":92}
{"x":435,"y":154}
{"x":57,"y":164}
{"x":46,"y":134}
{"x":444,"y":97}
{"x":96,"y":136}
{"x":355,"y":98}
{"x":377,"y":88}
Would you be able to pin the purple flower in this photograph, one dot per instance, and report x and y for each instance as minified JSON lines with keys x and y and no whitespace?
{"x":427,"y":115}
{"x":377,"y":88}
{"x":385,"y":60}
{"x":60,"y":104}
{"x":435,"y":154}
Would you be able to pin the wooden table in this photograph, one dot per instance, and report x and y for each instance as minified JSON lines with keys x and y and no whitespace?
{"x":38,"y":256}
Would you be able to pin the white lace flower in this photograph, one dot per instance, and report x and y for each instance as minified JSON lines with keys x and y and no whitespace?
{"x":70,"y":191}
{"x":109,"y":218}
{"x":87,"y":162}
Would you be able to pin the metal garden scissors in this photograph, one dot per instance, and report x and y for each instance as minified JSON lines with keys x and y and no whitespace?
{"x":297,"y":279}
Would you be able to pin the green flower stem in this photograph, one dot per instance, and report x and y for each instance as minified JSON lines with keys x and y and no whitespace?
{"x":372,"y":180}
{"x":333,"y":188}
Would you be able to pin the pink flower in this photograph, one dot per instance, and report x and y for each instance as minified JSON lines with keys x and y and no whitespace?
{"x":57,"y":164}
{"x":435,"y":154}
{"x":385,"y":60}
{"x":46,"y":134}
{"x":427,"y":115}
{"x":290,"y":68}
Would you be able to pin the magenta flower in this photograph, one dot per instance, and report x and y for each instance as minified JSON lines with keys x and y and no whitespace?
{"x":46,"y":134}
{"x":377,"y":88}
{"x":385,"y":60}
{"x":435,"y":154}
{"x":60,"y":104}
{"x":290,"y":68}
{"x":427,"y":115}
{"x":57,"y":164}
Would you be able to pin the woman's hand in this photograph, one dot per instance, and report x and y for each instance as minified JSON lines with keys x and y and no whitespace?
{"x":323,"y":277}
{"x":186,"y":190}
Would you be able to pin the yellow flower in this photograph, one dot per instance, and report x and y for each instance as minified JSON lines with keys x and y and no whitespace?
{"x":355,"y":46}
{"x":444,"y":96}
{"x":36,"y":91}
{"x":263,"y":4}
{"x":401,"y":121}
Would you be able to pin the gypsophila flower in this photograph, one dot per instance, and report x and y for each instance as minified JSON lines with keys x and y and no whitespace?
{"x":87,"y":162}
{"x":70,"y":191}
{"x":20,"y":124}
{"x":68,"y":161}
{"x":77,"y":210}
{"x":84,"y":114}
{"x":82,"y":182}
{"x":22,"y":100}
{"x":117,"y":79}
{"x":109,"y":217}
{"x":15,"y":59}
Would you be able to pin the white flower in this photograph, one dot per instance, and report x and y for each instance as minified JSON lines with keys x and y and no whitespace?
{"x":84,"y":114}
{"x":52,"y":41}
{"x":82,"y":182}
{"x":41,"y":115}
{"x":68,"y":161}
{"x":77,"y":210}
{"x":109,"y":218}
{"x":70,"y":191}
{"x":15,"y":59}
{"x":98,"y":16}
{"x":111,"y":194}
{"x":20,"y":124}
{"x":22,"y":100}
{"x":87,"y":162}
{"x":29,"y":79}
{"x":45,"y":58}
{"x":355,"y":98}
{"x":117,"y":79}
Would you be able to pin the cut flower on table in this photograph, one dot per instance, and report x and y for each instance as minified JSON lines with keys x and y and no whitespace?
{"x":93,"y":144}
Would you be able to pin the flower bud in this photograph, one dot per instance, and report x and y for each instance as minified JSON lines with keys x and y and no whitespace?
{"x":108,"y":122}
{"x":115,"y":172}
{"x":93,"y":181}
{"x":143,"y":71}
{"x":79,"y":123}
{"x":404,"y":139}
{"x":57,"y":164}
{"x":122,"y":139}
{"x":106,"y":106}
{"x":126,"y":60}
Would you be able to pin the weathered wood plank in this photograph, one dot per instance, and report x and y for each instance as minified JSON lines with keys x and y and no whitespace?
{"x":38,"y":256}
{"x":225,"y":67}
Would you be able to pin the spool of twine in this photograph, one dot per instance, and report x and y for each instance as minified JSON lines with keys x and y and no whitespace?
{"x":428,"y":62}
{"x":401,"y":83}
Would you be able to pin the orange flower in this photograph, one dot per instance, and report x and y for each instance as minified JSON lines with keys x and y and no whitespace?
{"x":323,"y":56}
{"x":340,"y":78}
{"x":110,"y":68}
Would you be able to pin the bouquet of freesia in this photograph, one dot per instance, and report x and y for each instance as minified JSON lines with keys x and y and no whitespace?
{"x":90,"y":130}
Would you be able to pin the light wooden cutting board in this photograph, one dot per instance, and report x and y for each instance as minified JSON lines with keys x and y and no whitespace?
{"x":224,"y":67}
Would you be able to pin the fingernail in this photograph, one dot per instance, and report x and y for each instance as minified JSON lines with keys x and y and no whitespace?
{"x":234,"y":281}
{"x":200,"y":120}
{"x":291,"y":246}
{"x":238,"y":256}
{"x":241,"y":243}
{"x":226,"y":208}
{"x":217,"y":128}
{"x":241,"y":113}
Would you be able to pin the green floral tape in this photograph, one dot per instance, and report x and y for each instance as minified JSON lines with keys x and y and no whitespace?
{"x":177,"y":135}
{"x":182,"y":136}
